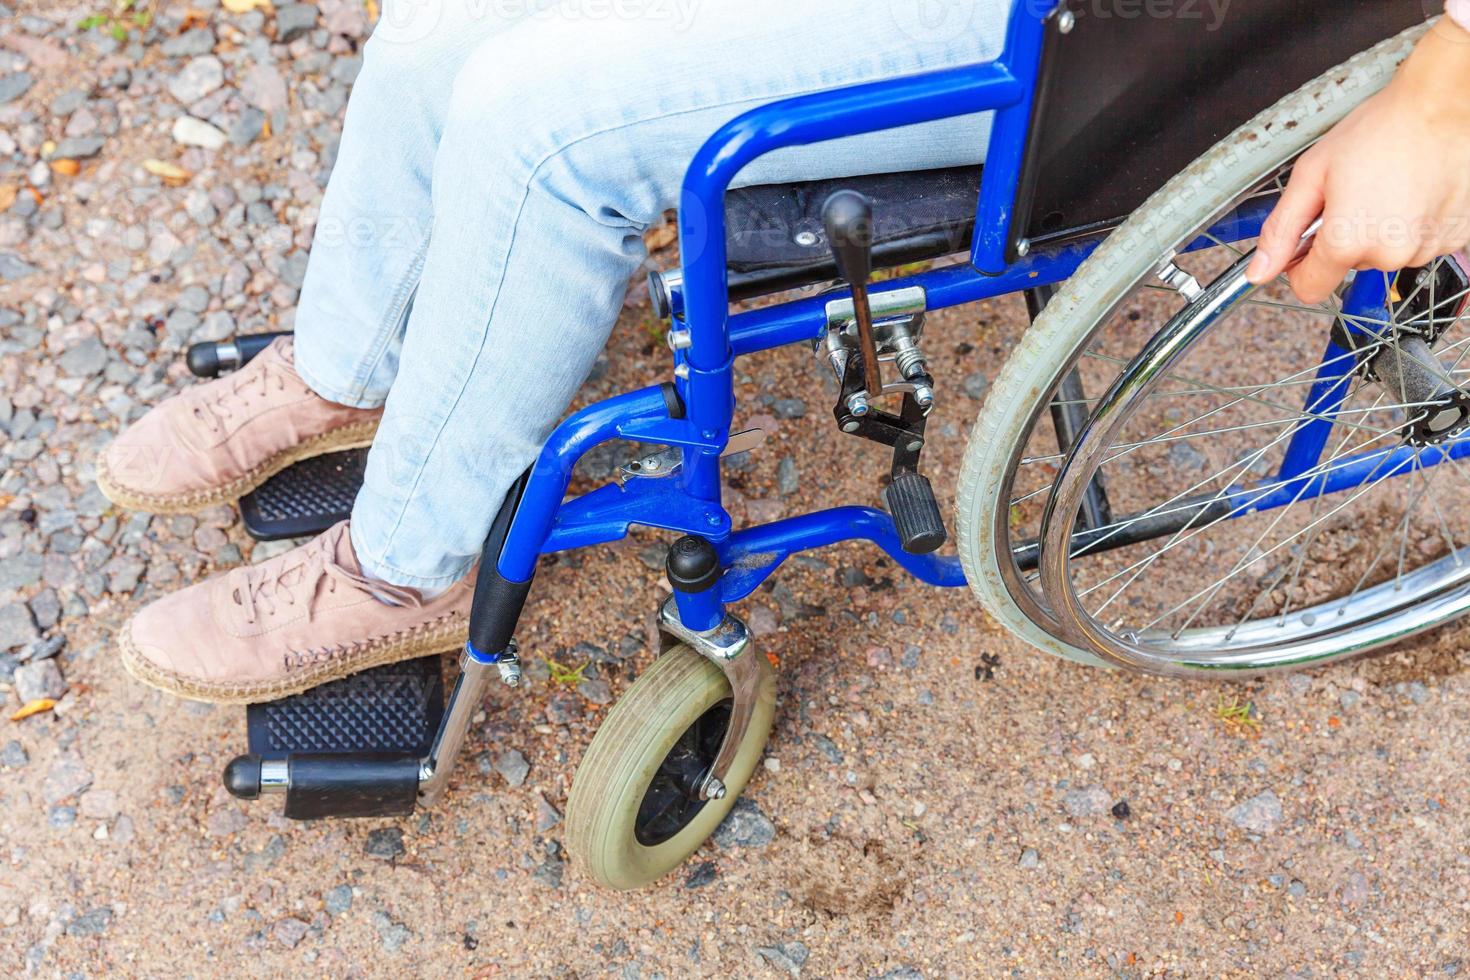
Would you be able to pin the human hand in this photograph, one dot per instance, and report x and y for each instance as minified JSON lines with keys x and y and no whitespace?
{"x":1391,"y":181}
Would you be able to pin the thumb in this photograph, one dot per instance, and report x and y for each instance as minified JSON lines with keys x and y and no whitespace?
{"x":1300,"y":205}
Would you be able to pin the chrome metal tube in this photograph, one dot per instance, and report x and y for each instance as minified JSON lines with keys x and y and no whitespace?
{"x":469,"y":688}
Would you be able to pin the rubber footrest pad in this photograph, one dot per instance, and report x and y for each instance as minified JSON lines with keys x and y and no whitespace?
{"x":393,"y":708}
{"x":306,"y":498}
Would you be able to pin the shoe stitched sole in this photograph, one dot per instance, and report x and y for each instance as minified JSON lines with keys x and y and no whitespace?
{"x":354,"y":436}
{"x":446,"y":633}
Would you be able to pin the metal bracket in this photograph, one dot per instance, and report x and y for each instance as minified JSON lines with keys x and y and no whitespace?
{"x":750,"y":675}
{"x":893,"y":306}
{"x":669,"y":461}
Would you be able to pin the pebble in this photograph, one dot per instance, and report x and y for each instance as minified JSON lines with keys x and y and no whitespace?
{"x":385,"y":844}
{"x":391,"y":934}
{"x":788,"y":408}
{"x":17,"y":626}
{"x":1030,"y":860}
{"x":1261,"y":814}
{"x":84,"y":359}
{"x":289,"y":932}
{"x":339,"y":900}
{"x":293,"y":20}
{"x":512,"y":766}
{"x":201,"y":76}
{"x":786,"y":956}
{"x":39,"y":679}
{"x":13,"y":755}
{"x":788,"y":479}
{"x":745,"y":826}
{"x":264,"y":88}
{"x":93,"y":922}
{"x":547,"y":816}
{"x":703,"y":873}
{"x":974,"y":386}
{"x":196,"y":132}
{"x":14,"y":85}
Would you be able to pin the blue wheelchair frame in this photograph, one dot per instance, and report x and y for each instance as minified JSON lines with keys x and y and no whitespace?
{"x":691,"y":504}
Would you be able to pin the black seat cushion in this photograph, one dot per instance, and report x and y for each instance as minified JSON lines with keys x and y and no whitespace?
{"x":774,"y":232}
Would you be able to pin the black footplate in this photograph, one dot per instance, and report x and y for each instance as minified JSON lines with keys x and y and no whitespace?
{"x":351,"y":748}
{"x":304,"y":499}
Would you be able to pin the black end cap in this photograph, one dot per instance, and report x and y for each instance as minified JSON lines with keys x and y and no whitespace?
{"x":242,"y":777}
{"x":693,"y":565}
{"x":203,"y":360}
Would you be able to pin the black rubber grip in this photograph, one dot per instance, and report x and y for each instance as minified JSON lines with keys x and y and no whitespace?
{"x":367,"y":784}
{"x":205,"y":360}
{"x":910,"y":500}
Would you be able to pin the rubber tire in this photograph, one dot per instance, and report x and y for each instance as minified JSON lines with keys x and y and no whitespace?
{"x":628,"y":749}
{"x":1119,"y":263}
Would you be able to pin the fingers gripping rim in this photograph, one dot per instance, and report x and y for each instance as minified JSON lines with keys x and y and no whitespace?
{"x":1130,"y":254}
{"x":626,"y":752}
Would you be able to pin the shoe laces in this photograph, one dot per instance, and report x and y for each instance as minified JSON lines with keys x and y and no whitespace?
{"x":225,"y":398}
{"x":301,"y":578}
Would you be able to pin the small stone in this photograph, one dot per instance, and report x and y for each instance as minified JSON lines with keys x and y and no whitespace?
{"x":745,"y":826}
{"x":264,"y":88}
{"x":61,"y":817}
{"x":788,"y":408}
{"x":13,"y":755}
{"x":1296,"y":889}
{"x":551,"y":870}
{"x":763,"y":620}
{"x":14,"y":85}
{"x":385,"y":844}
{"x":788,"y":480}
{"x":596,"y":691}
{"x":1091,"y":801}
{"x":513,"y":767}
{"x":66,"y":778}
{"x":37,"y":680}
{"x":1261,"y":814}
{"x":974,"y":386}
{"x":93,"y":922}
{"x":294,"y":20}
{"x":786,"y":956}
{"x":17,"y":627}
{"x":392,"y":934}
{"x":339,"y":900}
{"x":702,"y":874}
{"x":1030,"y":859}
{"x":547,"y":816}
{"x":84,"y":359}
{"x":288,"y":932}
{"x":78,"y":148}
{"x":247,"y":127}
{"x":196,"y":132}
{"x":13,"y":267}
{"x":197,"y":79}
{"x":1121,"y":810}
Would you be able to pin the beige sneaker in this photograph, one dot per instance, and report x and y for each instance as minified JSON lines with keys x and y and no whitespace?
{"x":286,"y":625}
{"x":215,"y":442}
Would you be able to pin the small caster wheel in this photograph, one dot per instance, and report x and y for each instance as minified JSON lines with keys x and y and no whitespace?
{"x":635,"y":812}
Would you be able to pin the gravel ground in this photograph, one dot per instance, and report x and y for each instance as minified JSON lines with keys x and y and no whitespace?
{"x":937,"y":800}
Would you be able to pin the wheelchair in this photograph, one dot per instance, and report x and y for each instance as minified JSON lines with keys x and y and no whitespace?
{"x":1174,"y":472}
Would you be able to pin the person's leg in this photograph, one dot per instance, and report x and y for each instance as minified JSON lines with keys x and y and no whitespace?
{"x":373,"y":230}
{"x":564,"y":140}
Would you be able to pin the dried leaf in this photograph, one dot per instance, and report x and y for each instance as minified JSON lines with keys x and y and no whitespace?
{"x":65,"y":167}
{"x":245,"y":6}
{"x":265,"y":128}
{"x":8,"y":194}
{"x":171,"y":173}
{"x":34,"y":708}
{"x":193,"y":18}
{"x":371,"y":7}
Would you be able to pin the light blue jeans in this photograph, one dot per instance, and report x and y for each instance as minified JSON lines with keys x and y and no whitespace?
{"x":500,"y":162}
